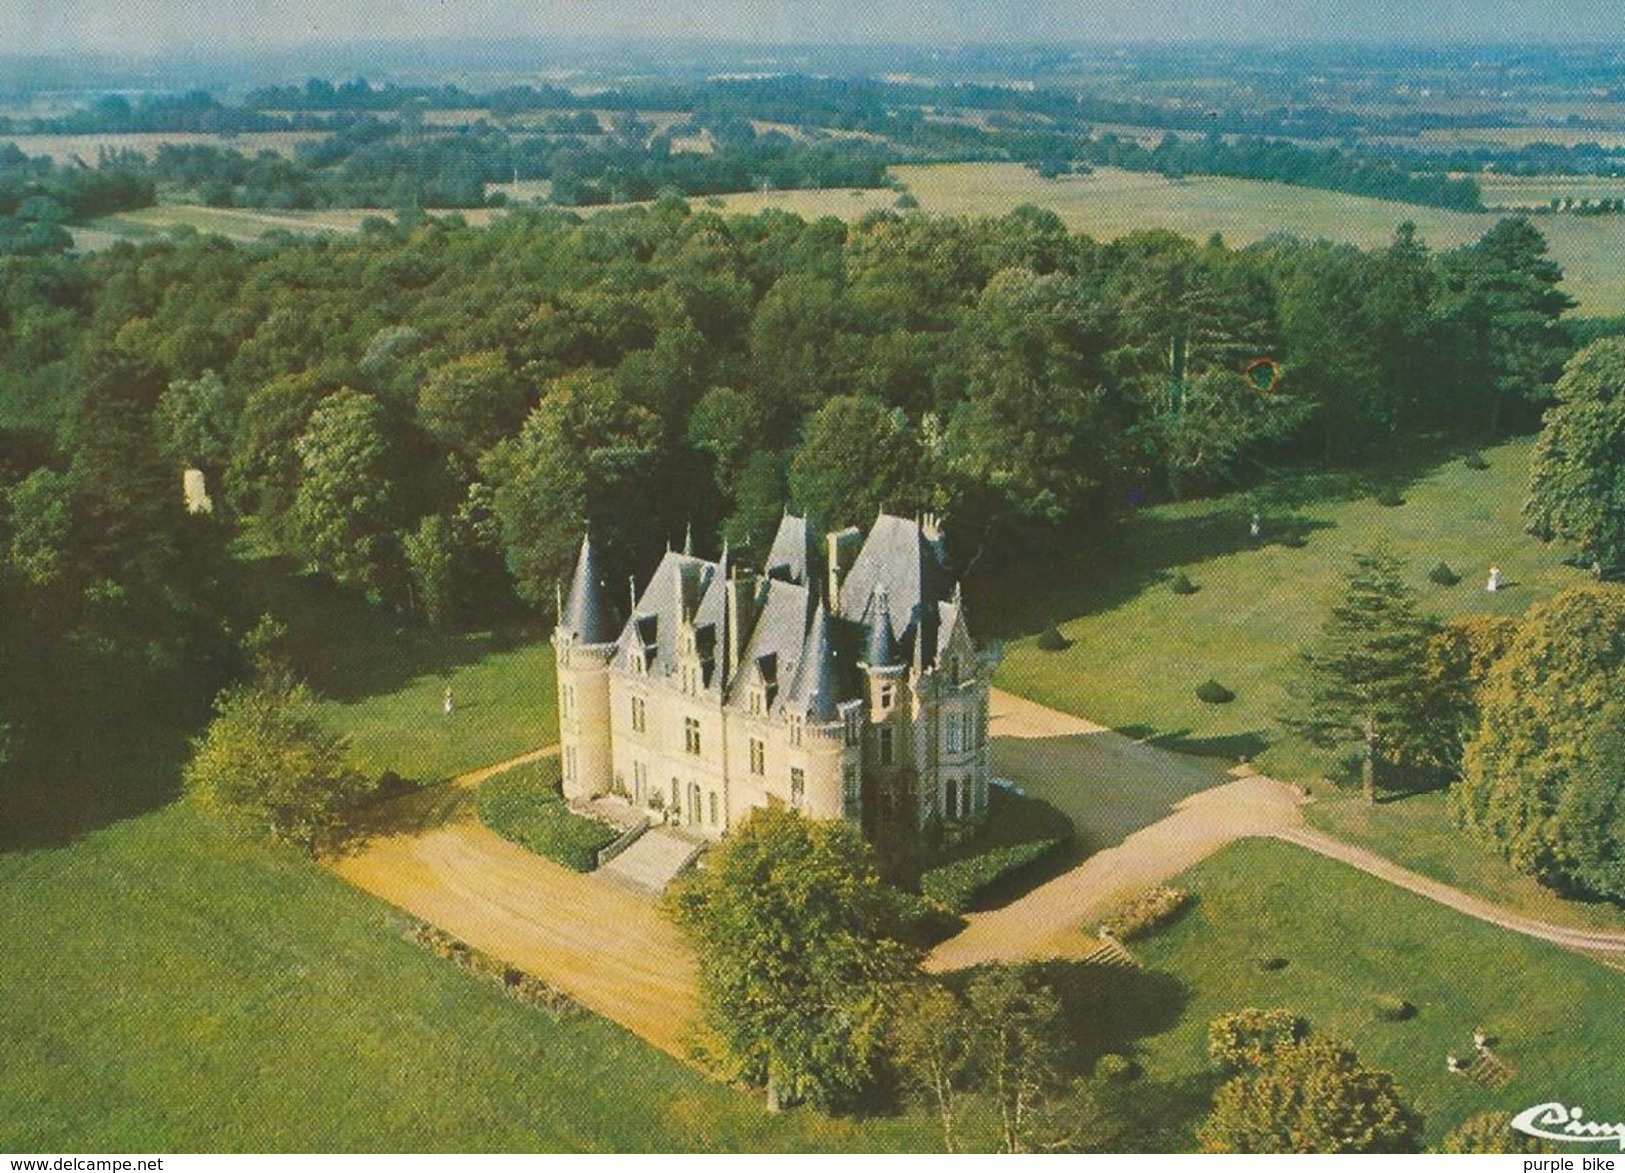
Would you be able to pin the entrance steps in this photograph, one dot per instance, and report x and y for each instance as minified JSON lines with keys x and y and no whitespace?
{"x":654,"y":860}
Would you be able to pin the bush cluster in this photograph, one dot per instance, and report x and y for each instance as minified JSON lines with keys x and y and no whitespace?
{"x":1182,"y":585}
{"x":525,"y":805}
{"x":1475,"y":461}
{"x":1389,"y":496}
{"x":1051,"y":640}
{"x":1442,"y":575}
{"x":1146,"y":912}
{"x":1212,"y":692}
{"x":957,"y":886}
{"x":532,"y":991}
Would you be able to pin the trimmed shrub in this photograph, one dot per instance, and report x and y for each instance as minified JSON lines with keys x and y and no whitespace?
{"x":1475,"y":461}
{"x":1294,"y":539}
{"x":1182,"y":585}
{"x":1442,"y":575}
{"x":957,"y":886}
{"x":1117,"y":1068}
{"x":1146,"y":912}
{"x":1392,"y":1008}
{"x":1211,"y":692}
{"x":525,"y":805}
{"x":1273,"y":964}
{"x":1051,"y":640}
{"x":1389,"y":496}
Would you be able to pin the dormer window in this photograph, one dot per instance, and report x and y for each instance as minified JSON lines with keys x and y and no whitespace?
{"x":795,"y":730}
{"x":887,"y":697}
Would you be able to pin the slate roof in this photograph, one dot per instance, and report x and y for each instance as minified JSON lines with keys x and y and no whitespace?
{"x":588,"y":613}
{"x":792,"y":554}
{"x":895,"y":599}
{"x":911,"y":569}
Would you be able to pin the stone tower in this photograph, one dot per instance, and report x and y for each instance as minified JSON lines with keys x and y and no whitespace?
{"x":583,"y":646}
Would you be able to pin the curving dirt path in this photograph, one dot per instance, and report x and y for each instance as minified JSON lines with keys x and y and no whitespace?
{"x":609,"y":947}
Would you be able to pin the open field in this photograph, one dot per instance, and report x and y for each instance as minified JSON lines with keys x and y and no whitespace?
{"x":1111,"y":203}
{"x":64,"y":148}
{"x":1348,"y":938}
{"x":164,"y":988}
{"x":1416,"y":831}
{"x":1139,"y":650}
{"x":241,"y":224}
{"x":1537,"y":191}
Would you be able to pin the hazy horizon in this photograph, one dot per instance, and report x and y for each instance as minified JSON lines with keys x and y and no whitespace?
{"x":163,"y":27}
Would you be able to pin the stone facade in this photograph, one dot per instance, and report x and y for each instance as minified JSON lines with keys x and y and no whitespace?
{"x":840,"y":680}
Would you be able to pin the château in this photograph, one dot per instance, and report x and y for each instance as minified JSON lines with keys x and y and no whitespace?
{"x":840,"y":679}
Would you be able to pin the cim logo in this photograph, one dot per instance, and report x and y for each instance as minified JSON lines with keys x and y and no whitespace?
{"x":1567,"y":1125}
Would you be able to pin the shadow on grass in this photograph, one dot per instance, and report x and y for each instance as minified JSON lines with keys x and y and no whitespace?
{"x":94,"y":745}
{"x":348,"y":650}
{"x":1025,"y":598}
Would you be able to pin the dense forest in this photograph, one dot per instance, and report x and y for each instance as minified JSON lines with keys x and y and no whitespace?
{"x":428,"y":416}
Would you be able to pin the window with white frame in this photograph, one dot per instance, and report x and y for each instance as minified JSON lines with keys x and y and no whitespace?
{"x":953,"y":733}
{"x":691,"y":734}
{"x":640,"y":714}
{"x":852,"y":792}
{"x":886,"y":740}
{"x":758,"y":756}
{"x":798,"y":786}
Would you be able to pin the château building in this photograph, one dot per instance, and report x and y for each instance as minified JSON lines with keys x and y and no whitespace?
{"x":840,"y":680}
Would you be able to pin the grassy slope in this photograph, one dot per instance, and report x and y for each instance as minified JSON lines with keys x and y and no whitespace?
{"x":1348,"y":937}
{"x":385,"y":681}
{"x":167,"y":989}
{"x":1417,"y":832}
{"x":1140,"y":650}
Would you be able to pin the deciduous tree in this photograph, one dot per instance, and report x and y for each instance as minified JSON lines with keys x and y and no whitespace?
{"x":1577,"y":482}
{"x":1313,"y":1096}
{"x":802,"y":960}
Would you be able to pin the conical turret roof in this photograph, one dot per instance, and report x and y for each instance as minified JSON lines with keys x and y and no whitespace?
{"x":588,"y":613}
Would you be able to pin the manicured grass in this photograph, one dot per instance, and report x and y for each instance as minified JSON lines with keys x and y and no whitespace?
{"x":504,"y":704}
{"x":1139,"y":650}
{"x":1349,"y":940}
{"x":1111,"y":203}
{"x":1416,"y":831}
{"x":524,"y":804}
{"x":164,"y":988}
{"x":385,"y":679}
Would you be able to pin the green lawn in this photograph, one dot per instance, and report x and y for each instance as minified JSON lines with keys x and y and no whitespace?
{"x":1139,"y":650}
{"x":1416,"y":831}
{"x":385,"y":679}
{"x":164,"y":988}
{"x":1348,"y":938}
{"x":524,"y":804}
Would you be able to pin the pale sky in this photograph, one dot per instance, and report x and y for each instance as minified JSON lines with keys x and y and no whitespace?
{"x":63,"y":27}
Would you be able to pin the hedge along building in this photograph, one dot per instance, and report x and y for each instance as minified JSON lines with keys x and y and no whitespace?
{"x":840,"y":681}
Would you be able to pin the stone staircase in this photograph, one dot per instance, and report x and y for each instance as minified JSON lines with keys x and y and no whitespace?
{"x":1111,"y":952}
{"x":653,"y":860}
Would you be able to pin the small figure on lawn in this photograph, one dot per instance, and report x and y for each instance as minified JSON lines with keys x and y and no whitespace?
{"x":1452,"y":1062}
{"x":1257,"y":526}
{"x":1494,"y":583}
{"x":1481,"y":1039}
{"x":448,"y":701}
